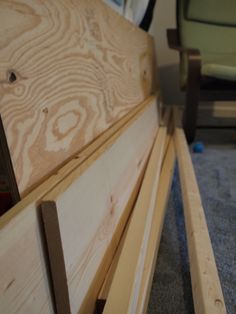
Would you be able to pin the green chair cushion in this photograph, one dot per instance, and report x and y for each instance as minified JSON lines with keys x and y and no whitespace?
{"x":218,"y":12}
{"x":216,"y":43}
{"x":221,"y":66}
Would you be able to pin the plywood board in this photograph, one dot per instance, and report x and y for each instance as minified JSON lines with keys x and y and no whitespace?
{"x":123,"y":294}
{"x":68,"y":71}
{"x":206,"y":288}
{"x":24,"y":284}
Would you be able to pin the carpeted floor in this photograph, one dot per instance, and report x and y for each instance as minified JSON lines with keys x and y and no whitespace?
{"x":216,"y":175}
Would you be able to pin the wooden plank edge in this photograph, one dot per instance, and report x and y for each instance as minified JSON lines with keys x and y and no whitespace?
{"x":91,"y":297}
{"x":141,"y":260}
{"x":103,"y":293}
{"x":118,"y":300}
{"x":100,"y":143}
{"x":157,"y":226}
{"x":154,"y":239}
{"x":206,"y":287}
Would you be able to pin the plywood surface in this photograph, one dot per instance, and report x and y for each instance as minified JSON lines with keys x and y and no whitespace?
{"x":68,"y":70}
{"x":24,"y":284}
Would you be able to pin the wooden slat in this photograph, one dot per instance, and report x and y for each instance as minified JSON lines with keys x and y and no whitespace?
{"x":104,"y":191}
{"x":122,"y":297}
{"x":154,"y":239}
{"x":56,"y":257}
{"x":156,"y":228}
{"x":68,"y":71}
{"x":206,"y":288}
{"x":103,"y":293}
{"x":24,"y":286}
{"x":91,"y":297}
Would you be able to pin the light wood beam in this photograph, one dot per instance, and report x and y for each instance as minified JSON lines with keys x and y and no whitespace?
{"x":123,"y":293}
{"x":207,"y":293}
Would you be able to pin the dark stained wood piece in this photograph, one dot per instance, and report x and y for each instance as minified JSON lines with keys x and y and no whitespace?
{"x":198,"y":87}
{"x":56,"y":257}
{"x":100,"y":304}
{"x":5,"y":159}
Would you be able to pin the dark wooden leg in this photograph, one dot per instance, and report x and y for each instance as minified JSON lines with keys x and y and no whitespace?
{"x":192,"y":97}
{"x":190,"y":116}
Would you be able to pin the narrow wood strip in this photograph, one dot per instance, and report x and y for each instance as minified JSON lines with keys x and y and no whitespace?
{"x":117,"y":129}
{"x":110,"y":274}
{"x":141,"y":260}
{"x":92,"y":295}
{"x":157,"y":226}
{"x":207,"y":292}
{"x":120,"y":295}
{"x":5,"y":158}
{"x":56,"y":257}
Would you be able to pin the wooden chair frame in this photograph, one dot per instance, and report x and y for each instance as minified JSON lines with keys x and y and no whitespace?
{"x":198,"y":87}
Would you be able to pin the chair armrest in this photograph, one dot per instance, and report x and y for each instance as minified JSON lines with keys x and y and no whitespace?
{"x":174,"y":43}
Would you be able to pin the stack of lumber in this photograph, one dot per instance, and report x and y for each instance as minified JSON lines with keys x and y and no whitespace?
{"x":93,"y":159}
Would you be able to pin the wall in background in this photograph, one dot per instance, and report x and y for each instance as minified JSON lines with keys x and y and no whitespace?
{"x":168,"y":60}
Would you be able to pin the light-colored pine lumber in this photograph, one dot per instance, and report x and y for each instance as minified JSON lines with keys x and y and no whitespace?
{"x":207,"y":293}
{"x":123,"y":294}
{"x":103,"y":293}
{"x":155,"y":235}
{"x":91,"y":203}
{"x":91,"y":297}
{"x":24,"y":282}
{"x":113,"y":132}
{"x":156,"y":228}
{"x":78,"y":68}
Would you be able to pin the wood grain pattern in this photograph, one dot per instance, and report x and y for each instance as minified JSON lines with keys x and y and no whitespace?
{"x":207,"y":293}
{"x":24,"y":284}
{"x":156,"y":228}
{"x":104,"y":190}
{"x":68,"y":70}
{"x":100,"y":144}
{"x":123,"y":295}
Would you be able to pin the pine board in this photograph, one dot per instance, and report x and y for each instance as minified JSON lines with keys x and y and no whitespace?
{"x":206,"y":288}
{"x":156,"y":228}
{"x":123,"y":294}
{"x":104,"y":191}
{"x":68,"y":71}
{"x":24,"y":285}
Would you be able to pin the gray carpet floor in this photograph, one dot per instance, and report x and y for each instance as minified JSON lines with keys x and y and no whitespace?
{"x":216,"y":174}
